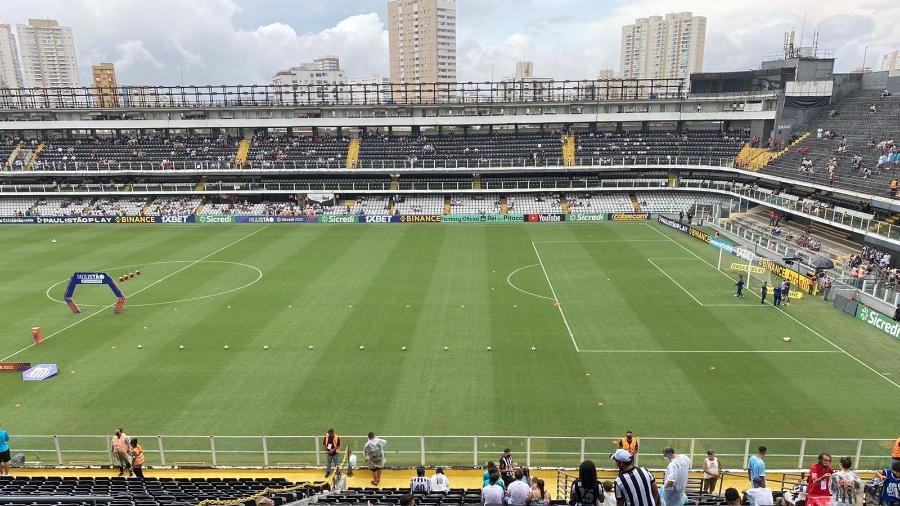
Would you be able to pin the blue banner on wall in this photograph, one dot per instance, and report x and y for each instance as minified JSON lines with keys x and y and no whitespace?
{"x":378,"y":218}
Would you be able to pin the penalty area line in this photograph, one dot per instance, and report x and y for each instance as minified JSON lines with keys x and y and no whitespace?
{"x":710,"y":351}
{"x":160,"y":280}
{"x":782,"y":311}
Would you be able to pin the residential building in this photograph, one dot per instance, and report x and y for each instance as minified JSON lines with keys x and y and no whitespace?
{"x":370,"y":90}
{"x":10,"y":68}
{"x":524,"y":70}
{"x":422,"y":36}
{"x":328,"y":62}
{"x":660,"y":47}
{"x":308,"y":74}
{"x":606,"y":74}
{"x":891,"y":61}
{"x":103,"y":80}
{"x":48,"y":54}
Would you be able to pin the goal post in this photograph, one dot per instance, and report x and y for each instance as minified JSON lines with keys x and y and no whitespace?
{"x":93,"y":278}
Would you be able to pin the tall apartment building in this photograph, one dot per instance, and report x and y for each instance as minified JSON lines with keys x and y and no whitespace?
{"x":663,"y":47}
{"x":891,"y":61}
{"x":48,"y":54}
{"x":422,"y":35}
{"x":328,"y":62}
{"x":10,"y":68}
{"x":103,"y":80}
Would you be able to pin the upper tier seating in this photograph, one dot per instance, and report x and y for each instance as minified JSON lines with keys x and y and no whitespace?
{"x":328,"y":151}
{"x":118,"y":152}
{"x":149,"y":491}
{"x":860,"y":127}
{"x":600,"y":203}
{"x":533,"y":204}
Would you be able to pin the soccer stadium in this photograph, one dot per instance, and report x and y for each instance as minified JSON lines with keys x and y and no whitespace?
{"x":447,"y":274}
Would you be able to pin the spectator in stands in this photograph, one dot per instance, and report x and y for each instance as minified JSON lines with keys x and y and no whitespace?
{"x":440,"y":482}
{"x":407,"y":500}
{"x":756,"y":465}
{"x":886,"y":93}
{"x":137,"y":458}
{"x":420,"y":483}
{"x":609,"y":492}
{"x":264,"y":501}
{"x":373,"y":452}
{"x":492,"y":493}
{"x":873,"y":109}
{"x":120,"y":450}
{"x":732,"y":497}
{"x":635,"y":486}
{"x":818,"y":489}
{"x":539,"y":495}
{"x":586,"y":490}
{"x":711,"y":470}
{"x":519,"y":490}
{"x":845,"y":484}
{"x":332,"y":444}
{"x":759,"y":494}
{"x":675,"y":481}
{"x":507,"y":467}
{"x":895,"y":452}
{"x":489,"y":469}
{"x":890,"y":493}
{"x":630,"y":443}
{"x":4,"y":453}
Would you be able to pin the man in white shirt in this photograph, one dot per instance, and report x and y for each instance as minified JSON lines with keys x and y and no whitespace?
{"x":518,"y":490}
{"x":440,"y":482}
{"x":675,"y":481}
{"x":759,"y":495}
{"x":492,"y":493}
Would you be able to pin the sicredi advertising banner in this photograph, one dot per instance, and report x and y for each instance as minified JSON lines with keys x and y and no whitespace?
{"x":586,"y":217}
{"x":878,"y":320}
{"x":341,"y":218}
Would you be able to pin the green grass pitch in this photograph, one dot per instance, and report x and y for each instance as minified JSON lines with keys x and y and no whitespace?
{"x":644,"y":316}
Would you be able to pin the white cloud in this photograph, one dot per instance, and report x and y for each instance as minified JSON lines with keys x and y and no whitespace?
{"x":159,"y":41}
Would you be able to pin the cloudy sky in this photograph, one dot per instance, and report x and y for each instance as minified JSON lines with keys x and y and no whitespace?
{"x":246,"y":41}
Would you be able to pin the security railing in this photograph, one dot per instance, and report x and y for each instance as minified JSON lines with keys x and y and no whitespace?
{"x":325,"y":165}
{"x":459,"y":451}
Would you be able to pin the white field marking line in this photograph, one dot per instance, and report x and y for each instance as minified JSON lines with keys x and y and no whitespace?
{"x":160,"y":280}
{"x":666,"y":274}
{"x":259,"y":276}
{"x":555,"y":298}
{"x":509,"y":282}
{"x":603,"y":241}
{"x":710,"y":351}
{"x":860,"y":362}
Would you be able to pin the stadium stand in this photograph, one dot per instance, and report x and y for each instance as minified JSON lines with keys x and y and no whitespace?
{"x":868,"y":135}
{"x":600,"y":203}
{"x":534,"y":204}
{"x":663,"y":144}
{"x":420,"y":204}
{"x":475,"y":204}
{"x":118,"y":152}
{"x":329,"y":151}
{"x":61,"y":206}
{"x":16,"y":206}
{"x":150,"y":491}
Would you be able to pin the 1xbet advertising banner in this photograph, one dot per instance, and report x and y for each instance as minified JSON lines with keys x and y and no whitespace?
{"x":481,"y":218}
{"x":378,"y":218}
{"x":628,"y":216}
{"x":540,"y":218}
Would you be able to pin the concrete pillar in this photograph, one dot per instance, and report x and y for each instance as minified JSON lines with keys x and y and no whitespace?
{"x":415,"y":131}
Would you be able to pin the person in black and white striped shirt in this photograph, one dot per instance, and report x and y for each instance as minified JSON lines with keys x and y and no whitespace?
{"x":420,"y":484}
{"x":635,"y":486}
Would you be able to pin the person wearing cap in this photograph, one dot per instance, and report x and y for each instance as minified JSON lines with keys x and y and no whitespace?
{"x":676,"y":477}
{"x":732,"y":497}
{"x":710,"y":471}
{"x":759,"y":495}
{"x":420,"y":483}
{"x":635,"y":486}
{"x":756,"y":466}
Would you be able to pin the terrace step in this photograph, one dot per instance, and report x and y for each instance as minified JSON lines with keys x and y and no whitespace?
{"x":448,"y":203}
{"x":353,"y":153}
{"x":634,"y":202}
{"x":242,"y":152}
{"x":34,"y":156}
{"x":568,"y":150}
{"x":504,"y":206}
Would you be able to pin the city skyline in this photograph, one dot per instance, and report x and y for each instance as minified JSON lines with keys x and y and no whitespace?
{"x":239,"y":41}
